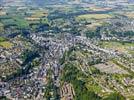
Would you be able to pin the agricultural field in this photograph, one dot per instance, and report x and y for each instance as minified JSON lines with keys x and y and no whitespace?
{"x":118,"y":46}
{"x":39,"y":14}
{"x":6,"y":44}
{"x":95,"y":24}
{"x":2,"y":13}
{"x":14,"y":21}
{"x":2,"y":39}
{"x":93,"y":16}
{"x":95,"y":8}
{"x":129,"y":14}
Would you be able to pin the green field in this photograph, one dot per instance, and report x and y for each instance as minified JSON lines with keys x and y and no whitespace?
{"x":121,"y":47}
{"x":93,"y":16}
{"x":2,"y":39}
{"x":6,"y":44}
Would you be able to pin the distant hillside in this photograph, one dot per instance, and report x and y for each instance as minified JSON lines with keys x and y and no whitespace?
{"x":1,"y":1}
{"x":131,"y":1}
{"x":46,"y":2}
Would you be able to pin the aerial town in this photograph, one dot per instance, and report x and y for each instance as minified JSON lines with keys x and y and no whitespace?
{"x":66,"y":49}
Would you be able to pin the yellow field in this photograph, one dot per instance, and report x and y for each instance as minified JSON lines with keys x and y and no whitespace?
{"x":130,"y":14}
{"x":2,"y":13}
{"x":94,"y":8}
{"x":36,"y":16}
{"x":32,"y":19}
{"x":95,"y":24}
{"x":94,"y":16}
{"x":39,"y":14}
{"x":6,"y":45}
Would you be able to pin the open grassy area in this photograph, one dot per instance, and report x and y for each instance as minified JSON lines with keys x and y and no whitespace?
{"x":121,"y":47}
{"x":94,"y":87}
{"x":2,"y":39}
{"x":6,"y":44}
{"x":39,"y":14}
{"x":1,"y":27}
{"x":93,"y":16}
{"x":15,"y":21}
{"x":95,"y":24}
{"x":95,"y":8}
{"x":20,"y":22}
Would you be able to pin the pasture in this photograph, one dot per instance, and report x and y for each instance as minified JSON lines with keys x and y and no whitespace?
{"x":93,"y":16}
